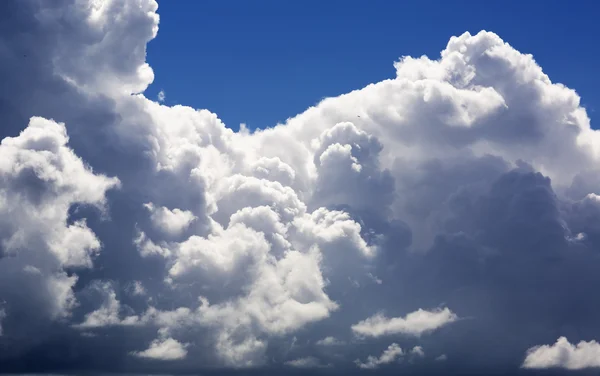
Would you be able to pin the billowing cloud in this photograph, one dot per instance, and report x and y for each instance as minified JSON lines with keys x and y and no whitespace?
{"x":155,"y":232}
{"x":563,"y":354}
{"x":414,"y":323}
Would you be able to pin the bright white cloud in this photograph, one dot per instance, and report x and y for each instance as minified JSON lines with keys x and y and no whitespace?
{"x":414,"y":323}
{"x":163,"y":349}
{"x":389,"y":355}
{"x":172,"y":222}
{"x":563,"y":354}
{"x":41,"y":179}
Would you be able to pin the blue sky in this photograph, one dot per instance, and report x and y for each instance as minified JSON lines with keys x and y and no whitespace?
{"x":260,"y":62}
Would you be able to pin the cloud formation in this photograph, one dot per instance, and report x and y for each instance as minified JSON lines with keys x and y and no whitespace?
{"x":389,"y":355}
{"x":158,"y":234}
{"x":414,"y":323}
{"x":563,"y":354}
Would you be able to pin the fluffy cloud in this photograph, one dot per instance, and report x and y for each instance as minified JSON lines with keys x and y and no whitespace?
{"x":389,"y":355}
{"x":41,"y":180}
{"x":563,"y":354}
{"x":157,"y":232}
{"x":166,"y":349}
{"x":414,"y":323}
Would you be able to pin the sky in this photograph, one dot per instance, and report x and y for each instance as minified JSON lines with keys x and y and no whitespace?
{"x":271,"y":59}
{"x":384,"y":212}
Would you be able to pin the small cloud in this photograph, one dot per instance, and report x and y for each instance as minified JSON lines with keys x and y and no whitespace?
{"x":441,"y":358}
{"x":414,"y":323}
{"x":161,"y":96}
{"x":307,"y":362}
{"x":163,"y":349}
{"x":389,"y":355}
{"x":330,"y":341}
{"x":375,"y":279}
{"x":417,"y":351}
{"x":31,"y":269}
{"x":138,"y":288}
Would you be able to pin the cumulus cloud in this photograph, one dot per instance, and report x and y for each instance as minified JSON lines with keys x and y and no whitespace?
{"x":41,"y":179}
{"x":389,"y":355}
{"x":414,"y":323}
{"x":156,"y":231}
{"x":563,"y":354}
{"x":417,"y":351}
{"x":165,"y":349}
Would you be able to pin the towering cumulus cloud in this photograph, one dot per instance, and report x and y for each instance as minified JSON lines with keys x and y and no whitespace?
{"x":453,"y":209}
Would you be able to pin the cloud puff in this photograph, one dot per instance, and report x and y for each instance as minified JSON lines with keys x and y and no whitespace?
{"x":414,"y":323}
{"x":389,"y":355}
{"x":563,"y":354}
{"x":329,"y":341}
{"x":156,"y":231}
{"x":163,"y":349}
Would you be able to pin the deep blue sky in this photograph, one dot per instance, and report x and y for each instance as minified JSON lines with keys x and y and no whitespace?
{"x":262,"y":61}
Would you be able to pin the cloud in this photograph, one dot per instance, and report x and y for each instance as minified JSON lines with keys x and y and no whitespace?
{"x":417,"y":351}
{"x":308,"y":362}
{"x":415,"y":323}
{"x":470,"y":181}
{"x":389,"y":355}
{"x":563,"y":354}
{"x":330,"y":341}
{"x":41,"y":179}
{"x":161,"y":96}
{"x":166,"y":349}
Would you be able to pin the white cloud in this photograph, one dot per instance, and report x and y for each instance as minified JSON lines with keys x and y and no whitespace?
{"x":414,"y":323}
{"x":389,"y":355}
{"x":161,"y":96}
{"x":441,"y":358}
{"x":172,"y":222}
{"x":164,"y":349}
{"x":108,"y":314}
{"x":417,"y":351}
{"x":330,"y":341}
{"x":41,"y":179}
{"x":274,"y":226}
{"x":563,"y":354}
